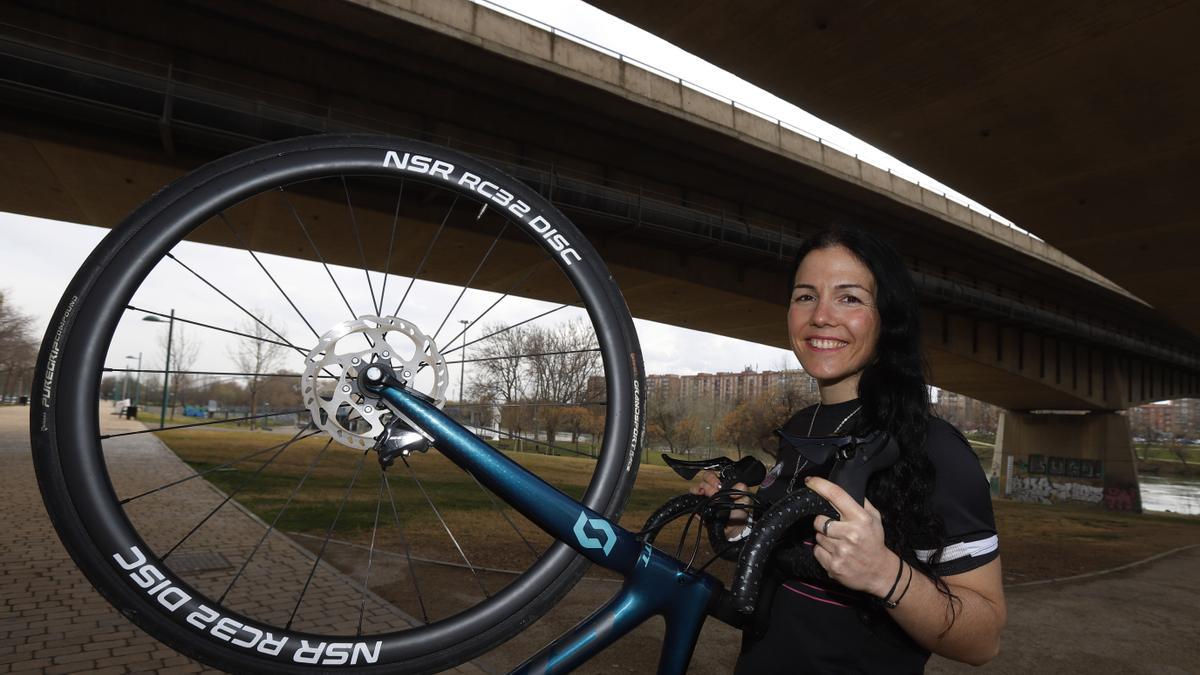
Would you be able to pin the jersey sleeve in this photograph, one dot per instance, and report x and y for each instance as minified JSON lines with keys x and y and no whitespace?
{"x":962,"y":497}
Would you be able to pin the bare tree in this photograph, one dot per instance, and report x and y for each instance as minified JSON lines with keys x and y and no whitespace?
{"x":500,"y":375}
{"x":674,"y":422}
{"x":562,"y":360}
{"x":18,"y":348}
{"x":256,"y":356}
{"x":546,"y":365}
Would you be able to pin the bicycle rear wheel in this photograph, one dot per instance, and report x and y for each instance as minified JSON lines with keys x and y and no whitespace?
{"x":273,"y":270}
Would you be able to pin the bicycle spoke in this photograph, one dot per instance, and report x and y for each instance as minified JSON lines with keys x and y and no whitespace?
{"x":504,"y":514}
{"x":533,"y":440}
{"x":428,"y":249}
{"x":470,"y":281}
{"x":446,"y":527}
{"x":412,"y":571}
{"x":370,"y":557}
{"x":235,"y":303}
{"x":222,"y":373}
{"x":313,"y":244}
{"x":269,"y":275}
{"x":387,"y":265}
{"x":361,"y":251}
{"x":328,"y":534}
{"x":202,"y":424}
{"x":275,"y":521}
{"x":505,"y":329}
{"x":217,"y":328}
{"x":522,"y":356}
{"x":545,"y":404}
{"x":490,"y":307}
{"x":218,"y":467}
{"x":231,"y":495}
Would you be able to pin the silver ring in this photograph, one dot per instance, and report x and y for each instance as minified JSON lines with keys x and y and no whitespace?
{"x":825,"y":527}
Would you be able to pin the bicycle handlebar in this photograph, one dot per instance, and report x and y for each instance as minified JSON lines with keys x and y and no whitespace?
{"x":855,"y":460}
{"x":764,"y":536}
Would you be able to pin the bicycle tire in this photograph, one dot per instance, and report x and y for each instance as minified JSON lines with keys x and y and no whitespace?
{"x":70,"y":461}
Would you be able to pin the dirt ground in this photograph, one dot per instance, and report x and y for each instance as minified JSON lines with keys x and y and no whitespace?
{"x":1039,"y":543}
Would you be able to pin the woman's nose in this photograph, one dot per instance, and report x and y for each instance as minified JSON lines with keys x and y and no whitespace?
{"x":823,"y":314}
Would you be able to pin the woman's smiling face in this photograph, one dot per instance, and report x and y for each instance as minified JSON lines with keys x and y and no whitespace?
{"x":833,"y":321}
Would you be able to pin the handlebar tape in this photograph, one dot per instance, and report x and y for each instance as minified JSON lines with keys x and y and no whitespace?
{"x":684,"y":505}
{"x":756,"y":552}
{"x":675,"y":507}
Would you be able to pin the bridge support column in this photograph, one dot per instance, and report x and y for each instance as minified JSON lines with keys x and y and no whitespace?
{"x":1050,"y":458}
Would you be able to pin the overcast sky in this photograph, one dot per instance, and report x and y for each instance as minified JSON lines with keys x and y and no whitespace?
{"x":38,"y":256}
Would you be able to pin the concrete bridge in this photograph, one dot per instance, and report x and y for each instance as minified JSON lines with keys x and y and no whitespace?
{"x":104,"y":102}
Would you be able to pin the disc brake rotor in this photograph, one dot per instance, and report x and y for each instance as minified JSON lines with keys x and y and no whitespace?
{"x":329,"y":385}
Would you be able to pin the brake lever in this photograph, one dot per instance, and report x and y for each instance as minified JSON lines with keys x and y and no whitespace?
{"x":748,"y":470}
{"x":855,"y":458}
{"x":853,"y":471}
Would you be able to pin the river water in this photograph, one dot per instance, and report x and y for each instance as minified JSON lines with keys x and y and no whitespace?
{"x":1170,"y":494}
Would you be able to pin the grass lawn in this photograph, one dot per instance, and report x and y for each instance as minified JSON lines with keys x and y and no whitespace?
{"x":1037,"y":541}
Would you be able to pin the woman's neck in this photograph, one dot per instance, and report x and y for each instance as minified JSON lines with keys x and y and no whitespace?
{"x":841,"y":391}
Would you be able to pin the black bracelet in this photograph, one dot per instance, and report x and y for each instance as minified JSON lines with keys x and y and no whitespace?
{"x":899,"y":571}
{"x":893,"y":604}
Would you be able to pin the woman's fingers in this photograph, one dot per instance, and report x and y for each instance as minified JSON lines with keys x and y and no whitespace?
{"x":707,"y":484}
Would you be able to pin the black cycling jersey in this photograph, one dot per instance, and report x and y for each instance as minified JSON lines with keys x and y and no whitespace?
{"x":825,"y":627}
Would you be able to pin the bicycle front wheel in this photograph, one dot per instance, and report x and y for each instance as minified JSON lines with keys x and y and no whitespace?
{"x":257,"y":528}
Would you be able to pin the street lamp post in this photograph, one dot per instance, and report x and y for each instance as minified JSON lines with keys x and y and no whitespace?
{"x":462,"y":365}
{"x":162,"y":419}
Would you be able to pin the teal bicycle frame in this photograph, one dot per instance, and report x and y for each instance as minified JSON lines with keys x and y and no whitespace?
{"x":656,"y":584}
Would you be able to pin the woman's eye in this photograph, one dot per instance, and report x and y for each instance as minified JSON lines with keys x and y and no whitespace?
{"x":803,"y":297}
{"x":852,"y":300}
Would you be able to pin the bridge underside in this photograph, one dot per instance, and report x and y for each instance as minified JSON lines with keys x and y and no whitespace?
{"x":598,"y":156}
{"x":1075,"y":120}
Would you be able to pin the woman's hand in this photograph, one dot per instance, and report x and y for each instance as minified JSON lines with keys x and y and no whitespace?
{"x":852,"y":549}
{"x":708,"y":484}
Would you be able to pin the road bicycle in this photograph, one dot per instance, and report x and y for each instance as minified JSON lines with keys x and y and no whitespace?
{"x":358,"y":213}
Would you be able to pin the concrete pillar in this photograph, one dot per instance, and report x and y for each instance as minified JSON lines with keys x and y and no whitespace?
{"x":998,"y":461}
{"x":1050,"y":458}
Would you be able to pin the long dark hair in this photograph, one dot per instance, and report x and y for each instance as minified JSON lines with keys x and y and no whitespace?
{"x":894,"y":395}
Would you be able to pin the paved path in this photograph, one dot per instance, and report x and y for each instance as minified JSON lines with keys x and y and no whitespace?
{"x":51,"y":620}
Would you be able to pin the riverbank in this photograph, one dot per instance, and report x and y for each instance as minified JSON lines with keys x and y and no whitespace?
{"x":1167,"y":467}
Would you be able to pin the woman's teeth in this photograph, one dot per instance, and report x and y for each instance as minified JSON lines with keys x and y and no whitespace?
{"x":826,"y":344}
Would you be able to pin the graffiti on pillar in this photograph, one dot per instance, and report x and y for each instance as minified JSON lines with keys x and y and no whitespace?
{"x":1038,"y":465}
{"x":1089,"y":469}
{"x":1121,"y":499}
{"x":1056,"y":466}
{"x":1047,"y":480}
{"x":1043,"y":490}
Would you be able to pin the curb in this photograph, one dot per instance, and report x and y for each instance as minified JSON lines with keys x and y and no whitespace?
{"x":1088,"y":575}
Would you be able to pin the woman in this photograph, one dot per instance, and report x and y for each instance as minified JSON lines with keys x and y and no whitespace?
{"x":915,"y":569}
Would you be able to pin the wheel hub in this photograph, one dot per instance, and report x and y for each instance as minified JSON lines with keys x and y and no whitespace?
{"x":330,"y":386}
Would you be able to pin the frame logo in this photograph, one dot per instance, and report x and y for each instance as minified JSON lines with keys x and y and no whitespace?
{"x":599,"y":525}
